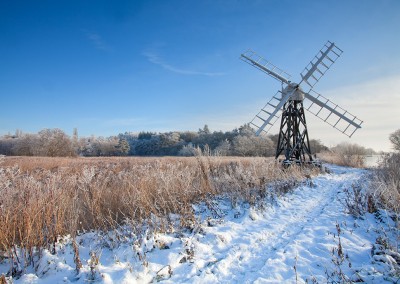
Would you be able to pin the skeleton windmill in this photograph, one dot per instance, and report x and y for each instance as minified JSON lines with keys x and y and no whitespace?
{"x":291,"y":101}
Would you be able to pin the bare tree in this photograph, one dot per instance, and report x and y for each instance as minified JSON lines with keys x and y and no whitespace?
{"x":26,"y":145}
{"x":350,"y":149}
{"x":317,"y":146}
{"x":395,"y":139}
{"x":106,"y":146}
{"x":350,"y":154}
{"x":55,"y":143}
{"x":7,"y":144}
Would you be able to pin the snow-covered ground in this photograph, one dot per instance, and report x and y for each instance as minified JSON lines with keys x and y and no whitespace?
{"x":306,"y":235}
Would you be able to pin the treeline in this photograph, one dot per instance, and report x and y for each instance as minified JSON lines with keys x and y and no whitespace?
{"x":55,"y":143}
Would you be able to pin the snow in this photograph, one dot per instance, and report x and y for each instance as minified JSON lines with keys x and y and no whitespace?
{"x":305,"y":235}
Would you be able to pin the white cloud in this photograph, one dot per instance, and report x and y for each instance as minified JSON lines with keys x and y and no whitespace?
{"x":155,"y":59}
{"x":97,"y":40}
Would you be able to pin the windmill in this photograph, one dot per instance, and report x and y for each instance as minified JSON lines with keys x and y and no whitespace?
{"x":293,"y":98}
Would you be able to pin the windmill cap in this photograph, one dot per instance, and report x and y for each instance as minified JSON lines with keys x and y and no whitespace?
{"x":298,"y":94}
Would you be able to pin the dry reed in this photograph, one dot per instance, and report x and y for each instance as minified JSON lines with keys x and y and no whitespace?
{"x":354,"y":161}
{"x":386,"y":182}
{"x":42,"y":198}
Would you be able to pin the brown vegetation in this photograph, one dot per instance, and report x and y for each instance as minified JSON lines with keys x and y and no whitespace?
{"x":394,"y":138}
{"x":354,"y":161}
{"x":386,"y":182}
{"x":345,"y":154}
{"x":44,"y":198}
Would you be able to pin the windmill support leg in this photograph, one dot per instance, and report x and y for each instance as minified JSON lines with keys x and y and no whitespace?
{"x":293,"y":135}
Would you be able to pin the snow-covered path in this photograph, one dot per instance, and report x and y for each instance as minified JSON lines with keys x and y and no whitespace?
{"x":294,"y":239}
{"x":298,"y":231}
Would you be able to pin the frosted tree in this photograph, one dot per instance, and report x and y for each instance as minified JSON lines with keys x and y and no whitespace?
{"x":188,"y":150}
{"x":54,"y":143}
{"x":6,"y":145}
{"x":395,"y":139}
{"x":246,"y":130}
{"x":223,"y":149}
{"x":188,"y":136}
{"x":205,"y":130}
{"x":170,"y":143}
{"x":252,"y":146}
{"x":123,"y":147}
{"x":27,"y":145}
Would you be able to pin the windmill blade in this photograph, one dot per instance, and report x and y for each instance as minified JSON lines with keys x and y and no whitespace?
{"x":266,"y":112}
{"x":269,"y":114}
{"x":318,"y":66}
{"x":332,"y":114}
{"x":265,"y":66}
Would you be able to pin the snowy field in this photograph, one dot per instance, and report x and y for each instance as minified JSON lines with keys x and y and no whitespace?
{"x":305,"y":236}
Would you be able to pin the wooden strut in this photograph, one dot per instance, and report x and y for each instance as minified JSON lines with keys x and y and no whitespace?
{"x":293,"y":139}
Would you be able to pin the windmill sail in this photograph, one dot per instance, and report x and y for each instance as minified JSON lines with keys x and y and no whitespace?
{"x":331,"y":113}
{"x":318,"y":66}
{"x":266,"y":114}
{"x":269,"y":113}
{"x":264,"y":65}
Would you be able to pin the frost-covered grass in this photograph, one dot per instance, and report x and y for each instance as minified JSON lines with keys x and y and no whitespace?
{"x":313,"y":232}
{"x":386,"y":182}
{"x":45,"y":199}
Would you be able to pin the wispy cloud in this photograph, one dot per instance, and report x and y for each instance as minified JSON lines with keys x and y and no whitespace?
{"x":97,"y":40}
{"x":155,"y":59}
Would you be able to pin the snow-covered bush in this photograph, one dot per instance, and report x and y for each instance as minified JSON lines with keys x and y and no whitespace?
{"x":358,"y":201}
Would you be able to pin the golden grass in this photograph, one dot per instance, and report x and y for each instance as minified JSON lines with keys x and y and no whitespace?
{"x":28,"y":164}
{"x":354,"y":161}
{"x":42,"y":198}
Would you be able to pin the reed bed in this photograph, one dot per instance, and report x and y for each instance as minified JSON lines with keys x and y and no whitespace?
{"x":43,"y":198}
{"x":354,"y":161}
{"x":386,"y":182}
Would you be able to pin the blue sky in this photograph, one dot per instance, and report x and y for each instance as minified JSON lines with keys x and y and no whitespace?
{"x":106,"y":67}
